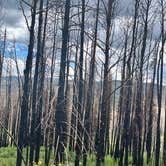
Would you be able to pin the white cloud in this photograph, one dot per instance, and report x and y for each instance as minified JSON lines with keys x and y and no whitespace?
{"x":20,"y":33}
{"x":10,"y":61}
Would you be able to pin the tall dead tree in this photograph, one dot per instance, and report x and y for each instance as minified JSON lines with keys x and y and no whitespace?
{"x":48,"y":140}
{"x":90,"y":91}
{"x":127,"y":92}
{"x":35,"y":96}
{"x":139,"y":112}
{"x":74,"y":102}
{"x":126,"y":106}
{"x":150,"y":111}
{"x":160,"y":70}
{"x":103,"y":111}
{"x":78,"y":148}
{"x":22,"y":138}
{"x":41,"y":84}
{"x":60,"y":114}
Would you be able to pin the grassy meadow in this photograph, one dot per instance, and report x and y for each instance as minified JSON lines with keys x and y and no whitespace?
{"x":8,"y":158}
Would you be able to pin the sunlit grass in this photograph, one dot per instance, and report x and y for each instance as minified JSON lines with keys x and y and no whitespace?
{"x":8,"y":158}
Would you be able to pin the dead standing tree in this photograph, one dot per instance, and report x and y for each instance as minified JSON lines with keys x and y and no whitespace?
{"x":60,"y":114}
{"x":138,"y":111}
{"x":78,"y":148}
{"x":90,"y":92}
{"x":160,"y":71}
{"x":22,"y":136}
{"x":103,"y":111}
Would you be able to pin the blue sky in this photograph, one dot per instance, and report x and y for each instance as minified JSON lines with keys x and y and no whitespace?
{"x":21,"y":50}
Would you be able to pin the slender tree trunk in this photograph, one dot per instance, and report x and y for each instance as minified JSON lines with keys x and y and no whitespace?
{"x":102,"y":131}
{"x":49,"y":131}
{"x":35,"y":100}
{"x":26,"y":89}
{"x":60,"y":114}
{"x":90,"y":91}
{"x":78,"y":147}
{"x":164,"y":146}
{"x":160,"y":87}
{"x":139,"y":111}
{"x":41,"y":86}
{"x":150,"y":120}
{"x":74,"y":105}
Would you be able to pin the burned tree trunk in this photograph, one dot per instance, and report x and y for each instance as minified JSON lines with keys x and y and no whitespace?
{"x":139,"y":111}
{"x":78,"y":147}
{"x":60,"y":114}
{"x":103,"y":111}
{"x":90,"y":92}
{"x":160,"y":71}
{"x":39,"y":110}
{"x":151,"y":103}
{"x":22,"y":137}
{"x":34,"y":124}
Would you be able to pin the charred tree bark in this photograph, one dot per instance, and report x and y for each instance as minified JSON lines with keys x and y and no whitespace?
{"x":35,"y":100}
{"x":150,"y":120}
{"x":49,"y":130}
{"x":160,"y":71}
{"x":22,"y":137}
{"x":78,"y":147}
{"x":139,"y":111}
{"x":74,"y":104}
{"x":90,"y":92}
{"x":126,"y":124}
{"x":60,"y":114}
{"x":103,"y":111}
{"x":41,"y":82}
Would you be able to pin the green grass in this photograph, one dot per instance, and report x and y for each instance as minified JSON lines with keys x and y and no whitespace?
{"x":8,"y":158}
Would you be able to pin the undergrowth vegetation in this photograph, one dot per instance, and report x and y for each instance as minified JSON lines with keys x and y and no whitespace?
{"x":8,"y":158}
